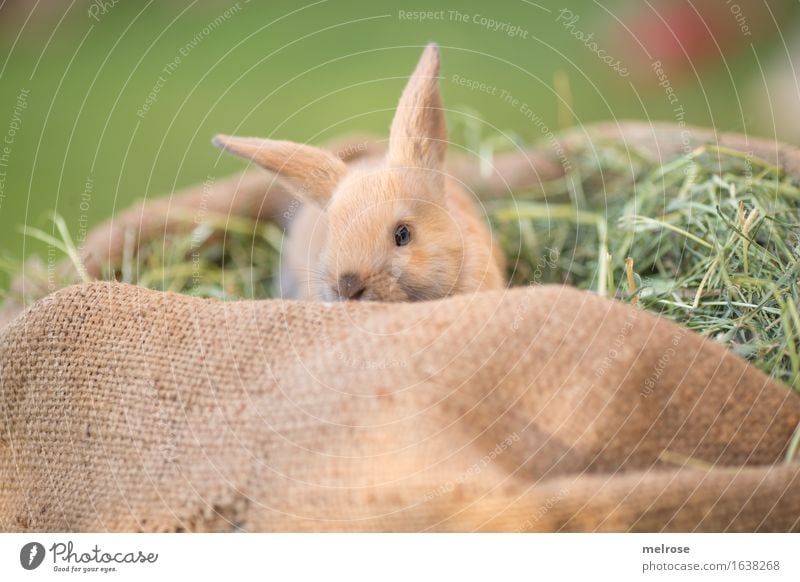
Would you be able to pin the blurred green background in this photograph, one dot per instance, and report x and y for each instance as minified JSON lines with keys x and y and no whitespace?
{"x":308,"y":72}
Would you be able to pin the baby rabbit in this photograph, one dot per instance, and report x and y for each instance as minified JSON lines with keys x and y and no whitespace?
{"x":392,"y":229}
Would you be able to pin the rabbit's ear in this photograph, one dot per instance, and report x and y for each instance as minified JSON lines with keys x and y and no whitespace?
{"x":419,"y":135}
{"x":313,"y":172}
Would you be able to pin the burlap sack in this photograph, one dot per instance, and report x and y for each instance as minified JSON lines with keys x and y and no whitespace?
{"x":543,"y":408}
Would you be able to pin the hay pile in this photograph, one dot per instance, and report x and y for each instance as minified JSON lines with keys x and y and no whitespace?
{"x":709,"y":241}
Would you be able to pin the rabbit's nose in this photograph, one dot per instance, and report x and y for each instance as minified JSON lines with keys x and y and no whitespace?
{"x":351,"y":287}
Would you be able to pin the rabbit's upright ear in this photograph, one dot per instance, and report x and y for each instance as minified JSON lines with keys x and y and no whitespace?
{"x":313,"y":172}
{"x":418,"y":136}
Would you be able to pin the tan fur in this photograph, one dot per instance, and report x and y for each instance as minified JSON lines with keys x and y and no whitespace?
{"x":345,"y":228}
{"x":313,"y":172}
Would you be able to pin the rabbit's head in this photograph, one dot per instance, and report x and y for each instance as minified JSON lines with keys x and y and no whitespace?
{"x":390,"y":235}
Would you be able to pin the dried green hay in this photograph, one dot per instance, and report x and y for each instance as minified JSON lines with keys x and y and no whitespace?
{"x":709,"y":239}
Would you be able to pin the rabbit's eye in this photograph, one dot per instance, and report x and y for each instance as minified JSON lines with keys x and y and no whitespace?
{"x":402,"y":235}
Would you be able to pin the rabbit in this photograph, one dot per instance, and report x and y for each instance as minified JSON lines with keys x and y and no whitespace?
{"x":396,"y":228}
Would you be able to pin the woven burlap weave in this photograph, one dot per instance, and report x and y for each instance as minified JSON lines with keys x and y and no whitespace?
{"x":541,"y":408}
